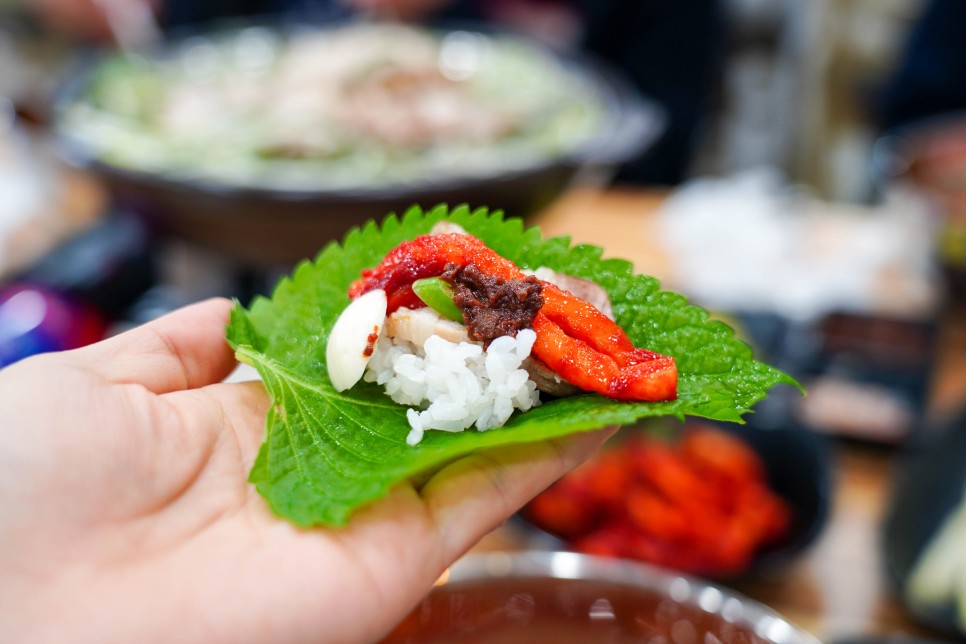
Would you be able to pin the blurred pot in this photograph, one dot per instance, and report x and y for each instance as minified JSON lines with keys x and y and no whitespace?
{"x":261,"y":226}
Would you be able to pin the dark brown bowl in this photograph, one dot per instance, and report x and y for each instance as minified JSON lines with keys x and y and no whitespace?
{"x":261,"y":226}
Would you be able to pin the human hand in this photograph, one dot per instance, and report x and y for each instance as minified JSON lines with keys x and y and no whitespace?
{"x":126,"y":515}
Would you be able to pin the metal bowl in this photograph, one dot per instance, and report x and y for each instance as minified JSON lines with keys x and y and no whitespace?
{"x":263,"y":226}
{"x":563,"y":596}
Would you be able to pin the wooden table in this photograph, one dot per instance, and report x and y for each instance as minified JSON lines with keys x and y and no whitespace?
{"x":837,"y":588}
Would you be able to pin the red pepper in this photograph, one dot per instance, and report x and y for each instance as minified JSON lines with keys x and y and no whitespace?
{"x":700,"y":505}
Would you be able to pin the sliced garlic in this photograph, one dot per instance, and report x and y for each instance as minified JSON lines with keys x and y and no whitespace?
{"x":353,"y":337}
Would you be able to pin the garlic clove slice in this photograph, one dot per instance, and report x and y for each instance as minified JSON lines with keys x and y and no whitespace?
{"x":353,"y":337}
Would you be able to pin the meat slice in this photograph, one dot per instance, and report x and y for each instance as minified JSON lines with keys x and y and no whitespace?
{"x":547,"y":380}
{"x":584,"y":289}
{"x":417,"y":325}
{"x":447,"y":228}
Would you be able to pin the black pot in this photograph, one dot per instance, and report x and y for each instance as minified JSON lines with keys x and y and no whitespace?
{"x":267,"y":227}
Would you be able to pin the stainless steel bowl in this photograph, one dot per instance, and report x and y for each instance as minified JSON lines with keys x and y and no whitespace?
{"x":541,"y":596}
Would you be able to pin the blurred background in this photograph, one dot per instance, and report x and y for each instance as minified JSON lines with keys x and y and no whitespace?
{"x":798,"y":168}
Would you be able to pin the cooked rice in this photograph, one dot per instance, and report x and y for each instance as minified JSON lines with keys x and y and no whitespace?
{"x":455,"y":386}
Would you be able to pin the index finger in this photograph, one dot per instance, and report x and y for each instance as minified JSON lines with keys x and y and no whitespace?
{"x":185,"y":349}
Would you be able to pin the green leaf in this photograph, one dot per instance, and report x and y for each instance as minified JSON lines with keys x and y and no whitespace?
{"x":327,"y":453}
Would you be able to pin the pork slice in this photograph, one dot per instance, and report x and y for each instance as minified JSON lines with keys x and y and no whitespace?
{"x":586,"y":290}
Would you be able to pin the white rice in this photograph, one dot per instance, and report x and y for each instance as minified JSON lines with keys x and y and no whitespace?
{"x":455,"y":386}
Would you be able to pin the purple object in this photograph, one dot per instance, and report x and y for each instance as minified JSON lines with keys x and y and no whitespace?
{"x":36,"y":320}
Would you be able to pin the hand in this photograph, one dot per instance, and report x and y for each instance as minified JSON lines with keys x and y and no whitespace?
{"x":125,"y":513}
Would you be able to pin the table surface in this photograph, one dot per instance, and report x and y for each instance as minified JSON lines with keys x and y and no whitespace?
{"x":837,"y":588}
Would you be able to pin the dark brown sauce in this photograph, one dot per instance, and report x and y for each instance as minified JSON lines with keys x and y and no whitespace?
{"x":527,"y":610}
{"x":492,"y":306}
